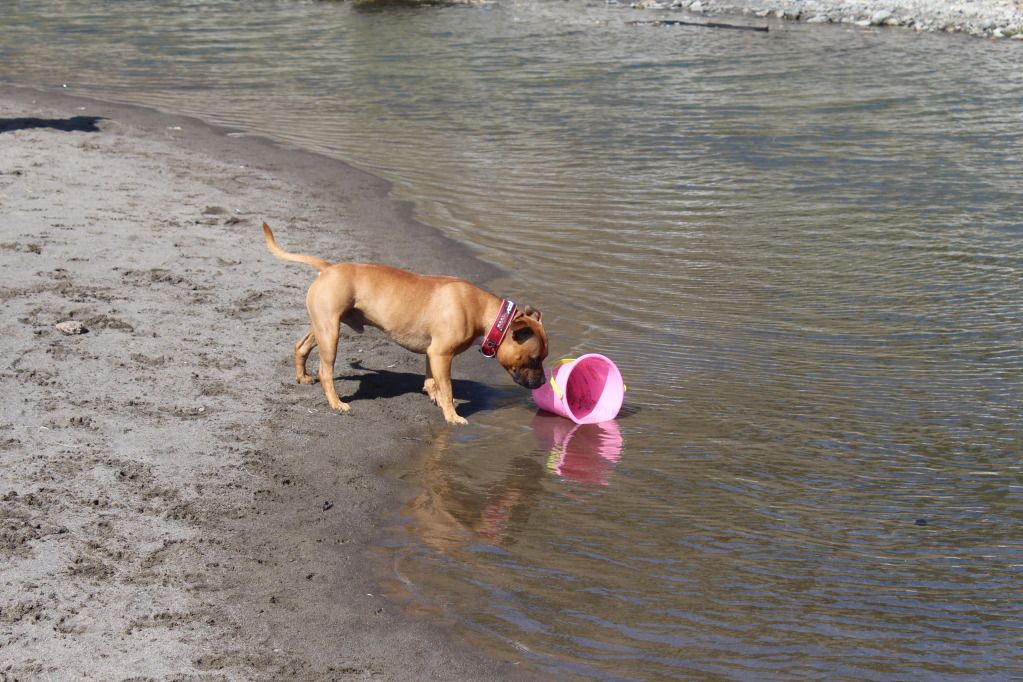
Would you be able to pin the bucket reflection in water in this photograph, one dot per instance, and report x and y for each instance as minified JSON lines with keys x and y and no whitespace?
{"x":583,"y":453}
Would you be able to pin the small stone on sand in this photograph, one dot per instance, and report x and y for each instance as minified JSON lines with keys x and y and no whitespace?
{"x":71,"y":327}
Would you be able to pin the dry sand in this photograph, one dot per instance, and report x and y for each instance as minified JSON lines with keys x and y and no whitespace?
{"x":172,"y":504}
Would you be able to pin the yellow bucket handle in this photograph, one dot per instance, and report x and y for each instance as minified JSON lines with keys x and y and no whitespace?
{"x":554,"y":385}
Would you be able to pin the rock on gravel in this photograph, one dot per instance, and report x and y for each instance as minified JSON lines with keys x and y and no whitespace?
{"x":71,"y":327}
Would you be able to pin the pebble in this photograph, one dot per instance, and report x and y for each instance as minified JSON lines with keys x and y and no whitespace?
{"x":71,"y":327}
{"x":879,"y":17}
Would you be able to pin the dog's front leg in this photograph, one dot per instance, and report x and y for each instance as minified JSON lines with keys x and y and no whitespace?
{"x":429,"y":385}
{"x":440,"y":368}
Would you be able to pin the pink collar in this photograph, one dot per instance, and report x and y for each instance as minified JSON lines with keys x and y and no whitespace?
{"x":499,"y":329}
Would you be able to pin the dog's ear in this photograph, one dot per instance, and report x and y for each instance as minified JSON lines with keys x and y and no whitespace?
{"x":530,"y":311}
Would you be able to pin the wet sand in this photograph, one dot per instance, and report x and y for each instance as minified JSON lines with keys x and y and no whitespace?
{"x":172,"y":504}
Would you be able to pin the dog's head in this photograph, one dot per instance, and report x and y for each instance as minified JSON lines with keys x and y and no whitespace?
{"x":524,"y":349}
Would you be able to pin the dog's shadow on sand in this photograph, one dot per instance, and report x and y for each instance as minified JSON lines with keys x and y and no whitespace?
{"x":74,"y":124}
{"x":470,"y":396}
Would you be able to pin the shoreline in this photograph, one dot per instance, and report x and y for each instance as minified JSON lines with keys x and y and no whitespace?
{"x":995,"y":19}
{"x":174,"y":505}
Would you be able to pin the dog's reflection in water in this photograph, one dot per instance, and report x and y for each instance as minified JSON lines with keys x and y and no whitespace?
{"x":453,"y":511}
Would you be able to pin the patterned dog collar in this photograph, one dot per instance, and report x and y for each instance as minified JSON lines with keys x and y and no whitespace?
{"x":499,"y":329}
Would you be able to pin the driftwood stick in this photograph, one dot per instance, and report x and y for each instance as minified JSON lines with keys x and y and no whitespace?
{"x":706,"y":24}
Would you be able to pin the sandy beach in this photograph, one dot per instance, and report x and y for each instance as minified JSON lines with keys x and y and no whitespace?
{"x":172,"y":504}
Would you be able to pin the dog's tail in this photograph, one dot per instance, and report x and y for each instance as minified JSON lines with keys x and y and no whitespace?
{"x":317,"y":263}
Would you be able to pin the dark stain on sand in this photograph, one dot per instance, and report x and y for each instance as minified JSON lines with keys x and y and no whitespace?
{"x":73,"y":124}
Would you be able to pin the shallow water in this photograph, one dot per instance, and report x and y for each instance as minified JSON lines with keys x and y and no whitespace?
{"x":802,"y":248}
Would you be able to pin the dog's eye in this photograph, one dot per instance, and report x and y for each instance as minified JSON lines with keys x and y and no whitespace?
{"x":522,"y":335}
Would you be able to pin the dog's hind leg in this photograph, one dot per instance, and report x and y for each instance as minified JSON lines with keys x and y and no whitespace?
{"x":327,"y":330}
{"x":303,"y":347}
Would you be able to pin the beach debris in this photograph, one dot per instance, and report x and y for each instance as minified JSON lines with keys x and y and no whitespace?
{"x":699,"y":24}
{"x":328,"y":505}
{"x":71,"y":327}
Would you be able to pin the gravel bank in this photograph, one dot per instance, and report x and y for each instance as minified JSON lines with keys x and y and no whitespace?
{"x":998,"y":19}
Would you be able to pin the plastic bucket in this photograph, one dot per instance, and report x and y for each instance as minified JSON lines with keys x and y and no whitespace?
{"x":586,"y":390}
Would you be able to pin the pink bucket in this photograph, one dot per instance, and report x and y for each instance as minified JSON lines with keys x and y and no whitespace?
{"x":586,"y":390}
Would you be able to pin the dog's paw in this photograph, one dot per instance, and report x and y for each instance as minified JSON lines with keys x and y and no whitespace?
{"x":430,"y":389}
{"x":306,"y":379}
{"x":459,"y":421}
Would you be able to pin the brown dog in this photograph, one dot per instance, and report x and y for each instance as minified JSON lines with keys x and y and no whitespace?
{"x":435,"y":315}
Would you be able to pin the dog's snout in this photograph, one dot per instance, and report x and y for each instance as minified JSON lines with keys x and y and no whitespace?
{"x":530,"y":379}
